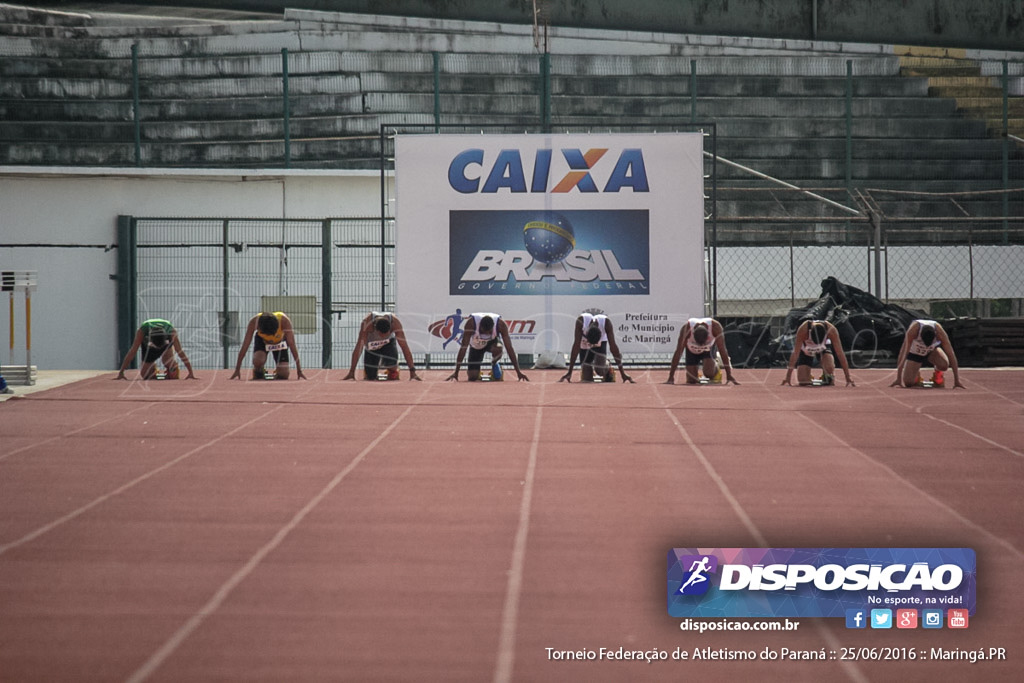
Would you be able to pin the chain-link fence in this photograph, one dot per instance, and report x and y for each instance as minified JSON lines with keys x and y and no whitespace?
{"x":211,"y":276}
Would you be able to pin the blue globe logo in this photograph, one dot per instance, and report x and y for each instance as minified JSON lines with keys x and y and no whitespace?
{"x":549,"y":238}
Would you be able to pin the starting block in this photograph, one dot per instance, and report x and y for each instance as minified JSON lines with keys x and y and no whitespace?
{"x":928,"y":384}
{"x":491,"y":373}
{"x":385,"y":374}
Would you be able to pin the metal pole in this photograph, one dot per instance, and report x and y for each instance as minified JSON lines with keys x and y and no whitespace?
{"x":437,"y":92}
{"x":126,"y":226}
{"x":849,"y":136}
{"x":792,"y":272}
{"x":1006,"y":152}
{"x":545,"y":91}
{"x":287,"y":107}
{"x":135,"y":104}
{"x":225,"y":296}
{"x":970,"y":255}
{"x":877,"y":220}
{"x":714,"y":219}
{"x":383,"y":213}
{"x":326,"y":295}
{"x":10,"y":357}
{"x":693,"y":91}
{"x":28,"y":335}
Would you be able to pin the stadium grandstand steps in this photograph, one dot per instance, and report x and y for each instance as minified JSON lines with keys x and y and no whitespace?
{"x":210,"y":95}
{"x":976,"y":89}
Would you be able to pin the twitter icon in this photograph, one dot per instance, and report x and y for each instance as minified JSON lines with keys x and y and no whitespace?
{"x":881,"y":618}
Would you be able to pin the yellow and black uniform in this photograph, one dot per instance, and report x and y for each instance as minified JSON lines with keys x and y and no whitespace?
{"x":381,"y":347}
{"x":157,"y":335}
{"x":272,"y":342}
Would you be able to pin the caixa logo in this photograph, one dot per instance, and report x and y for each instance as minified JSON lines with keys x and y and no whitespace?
{"x":471,"y":172}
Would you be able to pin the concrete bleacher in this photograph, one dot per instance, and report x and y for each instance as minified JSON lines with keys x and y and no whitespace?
{"x":211,"y":95}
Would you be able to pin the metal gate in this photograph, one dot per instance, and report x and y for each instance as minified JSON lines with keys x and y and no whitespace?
{"x":209,"y":276}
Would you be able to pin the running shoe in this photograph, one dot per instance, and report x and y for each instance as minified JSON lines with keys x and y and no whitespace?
{"x":828,"y":380}
{"x":496,"y":373}
{"x":393,"y":373}
{"x":717,"y":379}
{"x":937,"y":379}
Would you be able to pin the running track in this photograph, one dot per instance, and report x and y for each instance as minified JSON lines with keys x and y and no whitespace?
{"x":324,"y":530}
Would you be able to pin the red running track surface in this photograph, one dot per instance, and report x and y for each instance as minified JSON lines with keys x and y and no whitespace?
{"x":324,"y":530}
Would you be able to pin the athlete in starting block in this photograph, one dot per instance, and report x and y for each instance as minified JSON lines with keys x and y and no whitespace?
{"x":701,"y":338}
{"x":817,"y":341}
{"x":593,"y":338}
{"x":926,"y":342}
{"x":159,"y":341}
{"x":483,"y":334}
{"x":382,"y":335}
{"x":274,"y":334}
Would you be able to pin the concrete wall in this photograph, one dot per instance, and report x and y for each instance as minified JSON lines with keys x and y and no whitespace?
{"x":63,"y":224}
{"x":984,"y":24}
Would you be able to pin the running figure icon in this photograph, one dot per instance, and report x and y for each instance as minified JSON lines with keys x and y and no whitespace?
{"x":697,"y":571}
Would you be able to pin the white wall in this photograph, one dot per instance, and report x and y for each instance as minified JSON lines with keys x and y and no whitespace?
{"x":74,"y":310}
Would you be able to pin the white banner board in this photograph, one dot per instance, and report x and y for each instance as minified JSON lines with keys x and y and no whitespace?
{"x":539,"y":228}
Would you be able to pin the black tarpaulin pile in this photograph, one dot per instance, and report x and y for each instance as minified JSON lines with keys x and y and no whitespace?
{"x":871,"y":331}
{"x":865,"y":323}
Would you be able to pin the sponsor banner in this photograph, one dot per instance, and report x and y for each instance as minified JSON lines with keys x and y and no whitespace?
{"x":818,"y":582}
{"x":540,"y":228}
{"x":527,"y":253}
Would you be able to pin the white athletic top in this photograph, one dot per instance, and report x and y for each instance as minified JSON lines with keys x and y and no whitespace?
{"x":917,"y":346}
{"x":694,"y":347}
{"x":374,"y":339}
{"x":602,"y":321}
{"x":811,"y":349}
{"x":479,"y":341}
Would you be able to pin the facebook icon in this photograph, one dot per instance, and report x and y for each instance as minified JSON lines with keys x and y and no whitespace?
{"x":856,"y":618}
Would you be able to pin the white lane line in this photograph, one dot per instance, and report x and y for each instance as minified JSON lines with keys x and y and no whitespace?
{"x":715,"y":477}
{"x":927,"y":496}
{"x":920,"y":411}
{"x":213,"y":604}
{"x":73,"y":431}
{"x":513,"y":590}
{"x":121,"y":489}
{"x":851,"y":670}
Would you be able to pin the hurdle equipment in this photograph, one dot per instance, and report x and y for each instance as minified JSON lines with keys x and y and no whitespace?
{"x":13,"y":281}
